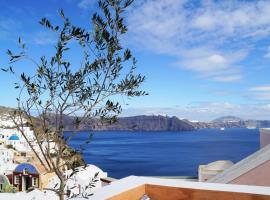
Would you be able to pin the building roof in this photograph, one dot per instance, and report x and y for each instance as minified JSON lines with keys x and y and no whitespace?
{"x":14,"y":137}
{"x":243,"y":166}
{"x":26,"y":166}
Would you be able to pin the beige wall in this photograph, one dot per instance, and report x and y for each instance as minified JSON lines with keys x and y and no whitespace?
{"x":259,"y":176}
{"x":44,"y":179}
{"x":264,"y":137}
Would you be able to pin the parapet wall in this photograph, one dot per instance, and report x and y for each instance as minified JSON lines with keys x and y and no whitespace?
{"x":264,"y":137}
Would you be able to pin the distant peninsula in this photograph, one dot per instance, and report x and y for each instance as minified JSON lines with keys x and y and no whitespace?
{"x":154,"y":123}
{"x":135,"y":123}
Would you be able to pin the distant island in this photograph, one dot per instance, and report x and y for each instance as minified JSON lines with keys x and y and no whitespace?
{"x":165,"y":123}
{"x":233,"y":122}
{"x":135,"y":123}
{"x":155,"y":123}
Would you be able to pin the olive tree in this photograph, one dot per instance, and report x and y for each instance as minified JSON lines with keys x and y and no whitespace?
{"x":60,"y":88}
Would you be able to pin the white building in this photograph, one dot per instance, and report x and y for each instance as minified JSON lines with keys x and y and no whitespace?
{"x":6,"y":155}
{"x":14,"y":141}
{"x":28,"y":133}
{"x":80,"y":181}
{"x":8,"y":128}
{"x":6,"y":160}
{"x":10,"y":135}
{"x":15,"y":138}
{"x":5,"y":135}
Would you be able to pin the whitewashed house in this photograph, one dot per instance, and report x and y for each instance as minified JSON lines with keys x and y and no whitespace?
{"x":15,"y":138}
{"x":5,"y":135}
{"x":79,"y":182}
{"x":8,"y":128}
{"x":6,"y":155}
{"x":28,"y":132}
{"x":14,"y":141}
{"x":6,"y":160}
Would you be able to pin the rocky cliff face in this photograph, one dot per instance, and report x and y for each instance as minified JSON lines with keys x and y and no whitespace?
{"x":136,"y":123}
{"x":151,"y":123}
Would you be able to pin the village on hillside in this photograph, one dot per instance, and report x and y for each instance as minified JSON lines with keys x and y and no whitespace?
{"x":21,"y":171}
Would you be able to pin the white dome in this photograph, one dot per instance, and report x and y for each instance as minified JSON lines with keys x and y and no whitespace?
{"x":82,"y":179}
{"x":220,"y":165}
{"x":88,"y":172}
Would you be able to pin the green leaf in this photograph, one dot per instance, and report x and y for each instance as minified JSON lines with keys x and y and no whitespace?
{"x":9,"y":52}
{"x":4,"y":70}
{"x":62,"y":13}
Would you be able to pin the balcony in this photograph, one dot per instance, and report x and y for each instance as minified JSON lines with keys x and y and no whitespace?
{"x":134,"y":188}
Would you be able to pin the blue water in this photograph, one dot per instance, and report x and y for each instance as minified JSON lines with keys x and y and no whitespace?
{"x":165,"y":153}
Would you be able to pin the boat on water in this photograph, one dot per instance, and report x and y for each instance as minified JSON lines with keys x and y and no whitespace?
{"x":222,"y":128}
{"x":251,"y":127}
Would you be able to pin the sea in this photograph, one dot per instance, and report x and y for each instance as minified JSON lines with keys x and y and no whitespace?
{"x":122,"y":153}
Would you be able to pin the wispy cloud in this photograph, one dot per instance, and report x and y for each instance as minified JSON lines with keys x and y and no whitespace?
{"x":8,"y":27}
{"x":84,"y":4}
{"x":43,"y":38}
{"x":9,"y":24}
{"x":260,"y":92}
{"x":262,"y":96}
{"x":264,"y":88}
{"x":206,"y":111}
{"x":212,"y":65}
{"x":212,"y":39}
{"x":267,"y":54}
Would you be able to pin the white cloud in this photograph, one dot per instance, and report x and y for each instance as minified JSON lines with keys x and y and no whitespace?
{"x":84,"y":4}
{"x":262,"y":96}
{"x":261,"y":88}
{"x":260,"y":92}
{"x":44,"y":38}
{"x":267,"y":55}
{"x":213,"y":65}
{"x":228,"y":78}
{"x":206,"y":111}
{"x":217,"y":59}
{"x":233,"y":17}
{"x":8,"y":28}
{"x":211,"y":40}
{"x":9,"y":24}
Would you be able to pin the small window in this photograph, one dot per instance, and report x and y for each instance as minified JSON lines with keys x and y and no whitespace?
{"x":16,"y":179}
{"x":35,"y":182}
{"x":1,"y":186}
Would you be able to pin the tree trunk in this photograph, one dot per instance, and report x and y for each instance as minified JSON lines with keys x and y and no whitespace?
{"x":61,"y":197}
{"x":61,"y":193}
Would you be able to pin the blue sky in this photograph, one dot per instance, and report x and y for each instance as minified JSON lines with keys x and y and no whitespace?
{"x":202,"y":59}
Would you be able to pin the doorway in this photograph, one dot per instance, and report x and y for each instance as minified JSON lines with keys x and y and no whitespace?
{"x":26,"y":183}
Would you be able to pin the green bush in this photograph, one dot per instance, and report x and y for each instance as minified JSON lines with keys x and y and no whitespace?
{"x":9,"y":189}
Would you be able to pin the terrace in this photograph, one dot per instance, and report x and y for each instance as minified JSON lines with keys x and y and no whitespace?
{"x":134,"y":188}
